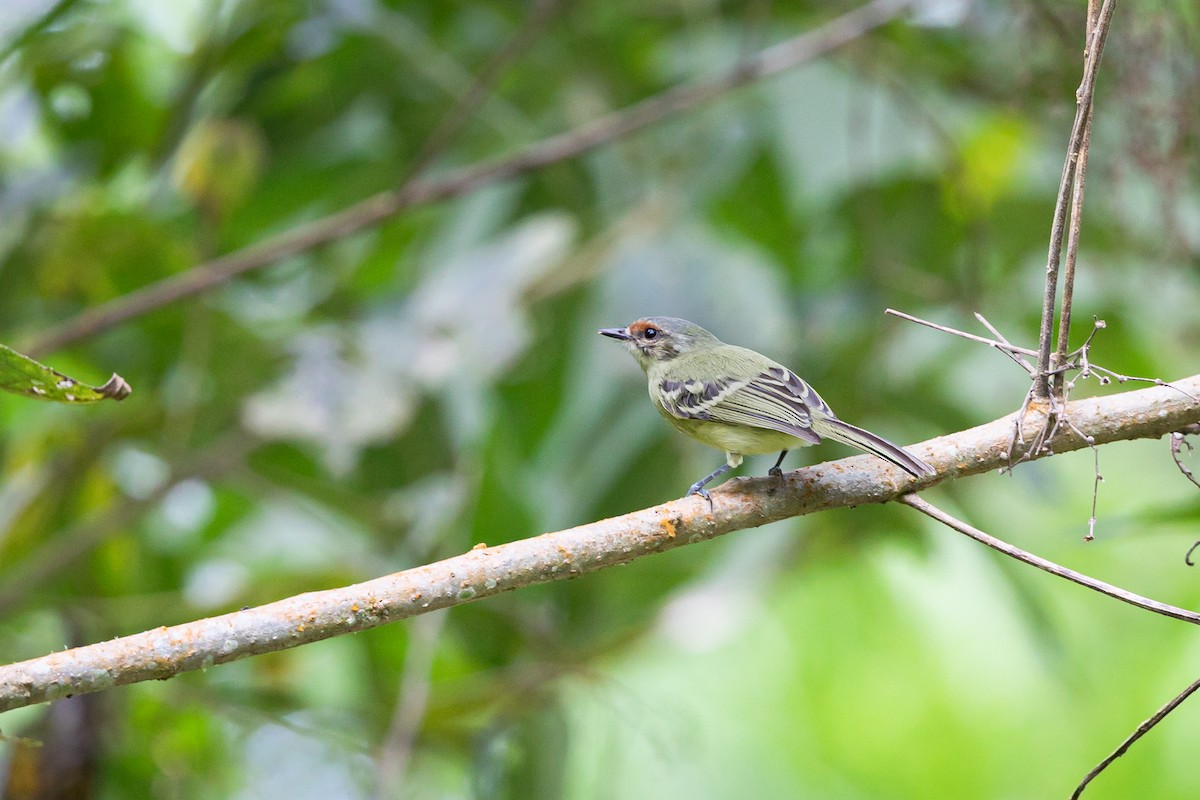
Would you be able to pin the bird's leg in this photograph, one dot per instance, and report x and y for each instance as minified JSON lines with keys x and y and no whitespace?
{"x":775,"y":471}
{"x":698,"y":486}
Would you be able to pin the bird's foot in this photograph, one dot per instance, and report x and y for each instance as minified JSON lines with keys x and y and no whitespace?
{"x":775,"y":472}
{"x":698,"y":488}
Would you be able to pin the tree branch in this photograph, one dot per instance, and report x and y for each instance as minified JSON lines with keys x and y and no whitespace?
{"x":1083,"y":111}
{"x":486,"y":571}
{"x":1076,"y":221}
{"x":1177,"y":441}
{"x":376,"y":209}
{"x":1141,"y":731}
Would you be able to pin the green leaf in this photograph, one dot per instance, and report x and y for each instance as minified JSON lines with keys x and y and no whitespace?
{"x":22,"y":375}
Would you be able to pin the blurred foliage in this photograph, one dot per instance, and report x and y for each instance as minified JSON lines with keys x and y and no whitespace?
{"x":406,"y":392}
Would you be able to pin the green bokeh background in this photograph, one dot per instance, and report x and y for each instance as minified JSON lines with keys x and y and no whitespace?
{"x":403,"y":393}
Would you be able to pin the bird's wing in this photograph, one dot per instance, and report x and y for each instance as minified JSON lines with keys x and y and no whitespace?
{"x":775,"y":399}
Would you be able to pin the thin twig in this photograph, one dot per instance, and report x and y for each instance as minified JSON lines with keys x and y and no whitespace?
{"x":1178,"y":440}
{"x":1141,"y":731}
{"x":1068,"y":293}
{"x":1017,"y":355}
{"x":1011,"y":353}
{"x":374,"y":210}
{"x":1018,"y":437}
{"x":1077,"y":186}
{"x":1041,"y":383}
{"x":1012,"y":551}
{"x":999,"y":345}
{"x":1119,"y":378}
{"x":1099,"y":479}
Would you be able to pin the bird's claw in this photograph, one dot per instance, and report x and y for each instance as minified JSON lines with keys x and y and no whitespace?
{"x":698,"y":488}
{"x":775,"y":472}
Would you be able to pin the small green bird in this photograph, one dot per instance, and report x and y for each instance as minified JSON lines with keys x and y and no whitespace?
{"x":738,"y":400}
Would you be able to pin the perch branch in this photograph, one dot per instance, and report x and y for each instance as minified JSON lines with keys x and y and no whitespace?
{"x":486,"y":571}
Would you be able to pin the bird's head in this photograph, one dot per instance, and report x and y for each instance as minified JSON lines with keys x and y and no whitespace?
{"x":653,"y":339}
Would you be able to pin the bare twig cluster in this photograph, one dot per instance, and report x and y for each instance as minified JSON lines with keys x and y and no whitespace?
{"x":1057,"y":368}
{"x":1077,"y":361}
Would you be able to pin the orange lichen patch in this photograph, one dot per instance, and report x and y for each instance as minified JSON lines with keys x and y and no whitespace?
{"x":480,"y":546}
{"x":354,"y":608}
{"x":668,"y":527}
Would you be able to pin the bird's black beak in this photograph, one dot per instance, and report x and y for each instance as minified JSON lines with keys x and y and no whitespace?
{"x":616,"y":333}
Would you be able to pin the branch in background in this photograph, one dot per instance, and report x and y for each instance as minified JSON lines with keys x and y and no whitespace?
{"x":1075,"y":144}
{"x":412,"y":702}
{"x":21,"y":580}
{"x":374,"y":210}
{"x":486,"y":571}
{"x":468,"y":104}
{"x":1141,"y":731}
{"x":48,"y":17}
{"x":444,"y":133}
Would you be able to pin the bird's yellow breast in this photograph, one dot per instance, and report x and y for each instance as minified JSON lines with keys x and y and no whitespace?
{"x":736,"y":439}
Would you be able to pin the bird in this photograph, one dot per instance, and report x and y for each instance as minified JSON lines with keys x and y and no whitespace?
{"x":740,"y":401}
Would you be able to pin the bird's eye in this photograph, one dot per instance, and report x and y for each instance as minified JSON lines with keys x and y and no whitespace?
{"x":650,"y":333}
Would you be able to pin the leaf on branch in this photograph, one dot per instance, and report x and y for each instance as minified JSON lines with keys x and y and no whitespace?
{"x":22,"y":375}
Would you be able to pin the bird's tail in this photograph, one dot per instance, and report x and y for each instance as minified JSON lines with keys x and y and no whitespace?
{"x":844,"y":432}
